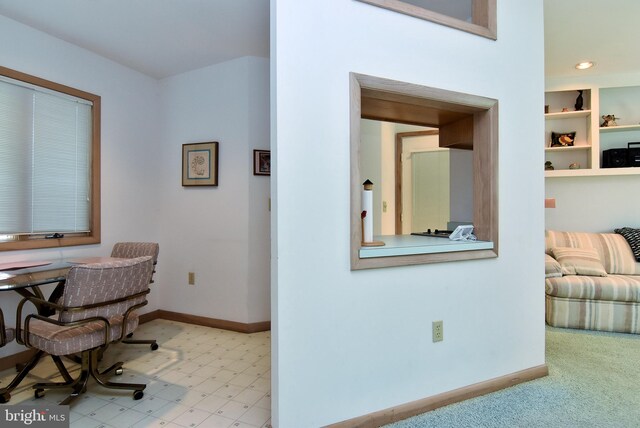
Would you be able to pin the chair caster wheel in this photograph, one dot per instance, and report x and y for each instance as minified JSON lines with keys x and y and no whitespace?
{"x":154,"y":346}
{"x":119,"y":371}
{"x":38,"y":393}
{"x":5,"y":397}
{"x":138,"y":394}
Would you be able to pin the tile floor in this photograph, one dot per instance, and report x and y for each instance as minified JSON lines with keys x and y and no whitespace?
{"x":199,"y":377}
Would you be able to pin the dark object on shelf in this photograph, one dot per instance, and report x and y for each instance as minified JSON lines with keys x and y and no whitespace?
{"x":614,"y":158}
{"x":435,"y":234}
{"x":633,"y":154}
{"x":579,"y":101}
{"x":562,"y":140}
{"x":548,"y":166}
{"x":609,"y":120}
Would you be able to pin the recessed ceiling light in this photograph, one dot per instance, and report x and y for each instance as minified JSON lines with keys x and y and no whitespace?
{"x":584,"y":65}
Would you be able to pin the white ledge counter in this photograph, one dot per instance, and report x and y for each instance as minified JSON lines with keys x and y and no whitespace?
{"x":404,"y":245}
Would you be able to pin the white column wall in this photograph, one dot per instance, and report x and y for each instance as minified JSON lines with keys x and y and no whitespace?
{"x":351,"y":343}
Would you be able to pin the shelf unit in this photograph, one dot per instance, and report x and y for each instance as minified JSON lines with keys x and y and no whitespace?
{"x":591,"y":139}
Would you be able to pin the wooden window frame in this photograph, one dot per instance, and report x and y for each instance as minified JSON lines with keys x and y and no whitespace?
{"x":70,"y":239}
{"x":484,"y":21}
{"x":412,"y":101}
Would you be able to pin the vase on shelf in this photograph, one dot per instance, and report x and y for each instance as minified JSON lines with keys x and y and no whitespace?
{"x":579,"y":101}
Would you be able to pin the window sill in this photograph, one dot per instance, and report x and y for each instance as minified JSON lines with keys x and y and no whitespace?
{"x":404,"y":245}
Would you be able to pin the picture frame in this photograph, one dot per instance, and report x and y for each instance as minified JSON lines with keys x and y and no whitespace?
{"x":262,"y":162}
{"x":200,"y":164}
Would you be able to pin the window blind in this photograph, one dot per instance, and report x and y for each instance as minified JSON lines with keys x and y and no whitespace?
{"x":45,"y":161}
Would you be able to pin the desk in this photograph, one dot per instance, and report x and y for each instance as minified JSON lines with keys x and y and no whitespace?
{"x":27,"y":282}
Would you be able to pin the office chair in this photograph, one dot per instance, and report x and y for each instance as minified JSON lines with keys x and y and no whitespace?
{"x":138,"y":249}
{"x":97,"y":308}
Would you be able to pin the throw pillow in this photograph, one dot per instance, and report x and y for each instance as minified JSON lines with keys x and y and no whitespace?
{"x":579,"y":261}
{"x":552,"y":268}
{"x":633,"y":238}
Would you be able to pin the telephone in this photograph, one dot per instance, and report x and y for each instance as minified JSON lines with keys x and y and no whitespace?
{"x":463,"y":233}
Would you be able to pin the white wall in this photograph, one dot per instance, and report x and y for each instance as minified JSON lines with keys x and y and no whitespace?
{"x":594,"y":204}
{"x":129,"y":138}
{"x":351,"y":343}
{"x":219,"y":233}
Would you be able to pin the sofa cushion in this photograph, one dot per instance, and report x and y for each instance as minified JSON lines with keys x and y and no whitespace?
{"x":552,"y":268}
{"x":579,"y":261}
{"x":621,"y":288}
{"x":615,"y":253}
{"x":633,"y":238}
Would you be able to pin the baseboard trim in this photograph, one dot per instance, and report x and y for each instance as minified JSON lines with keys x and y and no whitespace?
{"x":11,"y":360}
{"x":207,"y":322}
{"x":404,"y":411}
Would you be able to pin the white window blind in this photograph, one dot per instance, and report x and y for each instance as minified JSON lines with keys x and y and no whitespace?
{"x":45,"y":161}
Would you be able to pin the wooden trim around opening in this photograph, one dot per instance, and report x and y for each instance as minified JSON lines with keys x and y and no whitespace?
{"x":483,"y":16}
{"x":414,"y":408}
{"x":484,"y":112}
{"x":400,"y":136}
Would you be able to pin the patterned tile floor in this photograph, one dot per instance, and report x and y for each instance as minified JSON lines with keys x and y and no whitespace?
{"x":199,"y":377}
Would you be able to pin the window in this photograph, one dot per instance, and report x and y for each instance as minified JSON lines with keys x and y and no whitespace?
{"x":49,"y":164}
{"x":473,"y":16}
{"x":464,"y":122}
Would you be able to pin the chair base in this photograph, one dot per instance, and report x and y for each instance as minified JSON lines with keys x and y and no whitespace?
{"x":5,"y":393}
{"x":152,"y":342}
{"x":89,"y":369}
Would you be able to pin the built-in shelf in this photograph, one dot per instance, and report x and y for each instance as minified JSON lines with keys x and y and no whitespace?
{"x":591,"y":172}
{"x":566,"y":148}
{"x":567,"y":114}
{"x":591,"y":140}
{"x":621,"y":128}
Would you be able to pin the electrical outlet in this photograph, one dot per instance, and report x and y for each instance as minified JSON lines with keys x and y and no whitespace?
{"x":437,"y":331}
{"x":192,"y":278}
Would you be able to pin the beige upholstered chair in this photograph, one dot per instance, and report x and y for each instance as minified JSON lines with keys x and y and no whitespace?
{"x":6,"y":334}
{"x":129,"y":250}
{"x":97,"y":308}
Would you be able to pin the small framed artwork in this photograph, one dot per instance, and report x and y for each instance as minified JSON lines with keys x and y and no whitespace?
{"x":262,"y":162}
{"x":200,"y":164}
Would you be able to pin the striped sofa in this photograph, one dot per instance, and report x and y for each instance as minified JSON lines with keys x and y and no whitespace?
{"x":592,"y":282}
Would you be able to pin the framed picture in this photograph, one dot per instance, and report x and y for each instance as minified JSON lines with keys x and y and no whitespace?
{"x":200,"y":164}
{"x":262,"y":162}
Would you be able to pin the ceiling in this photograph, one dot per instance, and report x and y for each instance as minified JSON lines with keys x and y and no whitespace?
{"x":159,"y":38}
{"x":605,"y":32}
{"x":162,"y":38}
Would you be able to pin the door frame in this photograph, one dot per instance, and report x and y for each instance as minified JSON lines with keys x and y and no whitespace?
{"x":400,"y":136}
